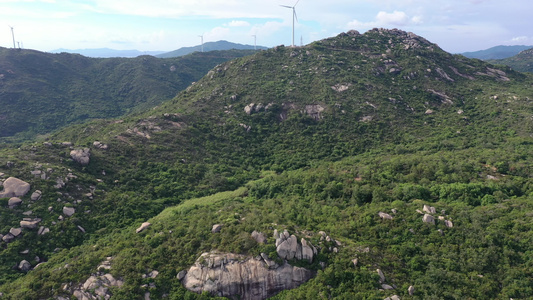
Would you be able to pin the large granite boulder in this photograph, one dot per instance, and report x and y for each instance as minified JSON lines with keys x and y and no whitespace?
{"x":81,"y":156}
{"x":14,"y":201}
{"x":14,"y":187}
{"x":241,"y":277}
{"x":288,"y":248}
{"x":68,"y":211}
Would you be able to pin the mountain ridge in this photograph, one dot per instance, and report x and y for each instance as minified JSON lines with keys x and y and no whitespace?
{"x":496,"y":52}
{"x":39,"y":88}
{"x":209,"y":46}
{"x":358,"y":136}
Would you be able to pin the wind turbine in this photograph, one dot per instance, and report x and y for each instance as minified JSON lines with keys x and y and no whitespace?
{"x":13,"y":35}
{"x":255,"y":41}
{"x":202,"y":37}
{"x":294,"y":17}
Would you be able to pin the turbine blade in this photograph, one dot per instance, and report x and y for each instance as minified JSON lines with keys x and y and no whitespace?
{"x":286,"y":6}
{"x":295,"y":16}
{"x":296,"y":3}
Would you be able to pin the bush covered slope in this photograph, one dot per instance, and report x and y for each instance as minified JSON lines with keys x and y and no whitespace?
{"x":522,"y":62}
{"x":319,"y":138}
{"x":41,"y":92}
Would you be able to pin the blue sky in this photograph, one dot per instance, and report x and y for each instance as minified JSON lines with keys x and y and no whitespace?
{"x":150,"y":25}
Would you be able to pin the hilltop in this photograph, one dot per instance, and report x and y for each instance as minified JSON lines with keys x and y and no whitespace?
{"x":209,"y":46}
{"x":361,"y":166}
{"x":41,"y":92}
{"x":106,"y":52}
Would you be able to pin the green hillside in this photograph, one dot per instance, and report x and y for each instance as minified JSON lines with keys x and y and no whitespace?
{"x":342,"y":143}
{"x":522,"y":62}
{"x":41,"y":92}
{"x":209,"y":46}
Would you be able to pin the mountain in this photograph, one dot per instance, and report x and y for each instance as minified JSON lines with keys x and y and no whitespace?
{"x":209,"y":46}
{"x":497,"y":52}
{"x":361,"y":166}
{"x":522,"y":62}
{"x":107,"y":53}
{"x":41,"y":92}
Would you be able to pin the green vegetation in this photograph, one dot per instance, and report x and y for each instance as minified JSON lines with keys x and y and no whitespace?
{"x":522,"y":62}
{"x":41,"y":92}
{"x":338,"y":131}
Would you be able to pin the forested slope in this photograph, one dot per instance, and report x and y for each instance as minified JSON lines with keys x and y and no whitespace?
{"x":351,"y":136}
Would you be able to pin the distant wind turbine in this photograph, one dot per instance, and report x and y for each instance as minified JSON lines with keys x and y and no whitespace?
{"x":13,"y":35}
{"x":202,"y":38}
{"x":294,"y":17}
{"x":255,"y":41}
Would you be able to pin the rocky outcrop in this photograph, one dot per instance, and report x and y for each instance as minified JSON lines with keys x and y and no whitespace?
{"x":288,"y":248}
{"x":14,"y":201}
{"x":384,"y":216}
{"x":428,"y":219}
{"x":35,"y":196}
{"x":24,"y":266}
{"x":81,"y":156}
{"x":68,"y":211}
{"x":241,"y":277}
{"x":314,"y":111}
{"x":30,"y":223}
{"x":143,"y":227}
{"x":14,"y":187}
{"x":259,"y":237}
{"x":429,"y":209}
{"x":216,"y":228}
{"x":100,"y":145}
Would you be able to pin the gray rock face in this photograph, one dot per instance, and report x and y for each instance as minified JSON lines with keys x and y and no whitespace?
{"x":68,"y":211}
{"x":288,"y":248}
{"x":30,"y":224}
{"x":24,"y":266}
{"x":36,"y":195}
{"x":100,"y":145}
{"x":14,"y":201}
{"x":143,"y":227}
{"x":14,"y":187}
{"x":314,"y":111}
{"x":448,"y":223}
{"x":231,"y":275}
{"x":384,"y":216}
{"x":216,"y":228}
{"x":81,"y":156}
{"x":429,"y":209}
{"x":15,"y":231}
{"x":428,"y":219}
{"x":259,"y":237}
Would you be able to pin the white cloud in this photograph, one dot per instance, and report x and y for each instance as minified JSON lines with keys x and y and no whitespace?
{"x":520,"y":39}
{"x":235,"y":23}
{"x":385,"y":19}
{"x":398,"y":18}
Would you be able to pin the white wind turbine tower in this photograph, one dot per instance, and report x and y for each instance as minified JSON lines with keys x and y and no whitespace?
{"x":13,"y":35}
{"x":294,"y":17}
{"x":255,"y":41}
{"x":202,"y":38}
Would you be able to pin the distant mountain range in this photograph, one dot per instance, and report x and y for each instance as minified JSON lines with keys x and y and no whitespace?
{"x":497,"y":52}
{"x":107,"y":53}
{"x":210,"y":46}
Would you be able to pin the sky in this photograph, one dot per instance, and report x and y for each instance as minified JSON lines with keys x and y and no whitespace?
{"x":165,"y":25}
